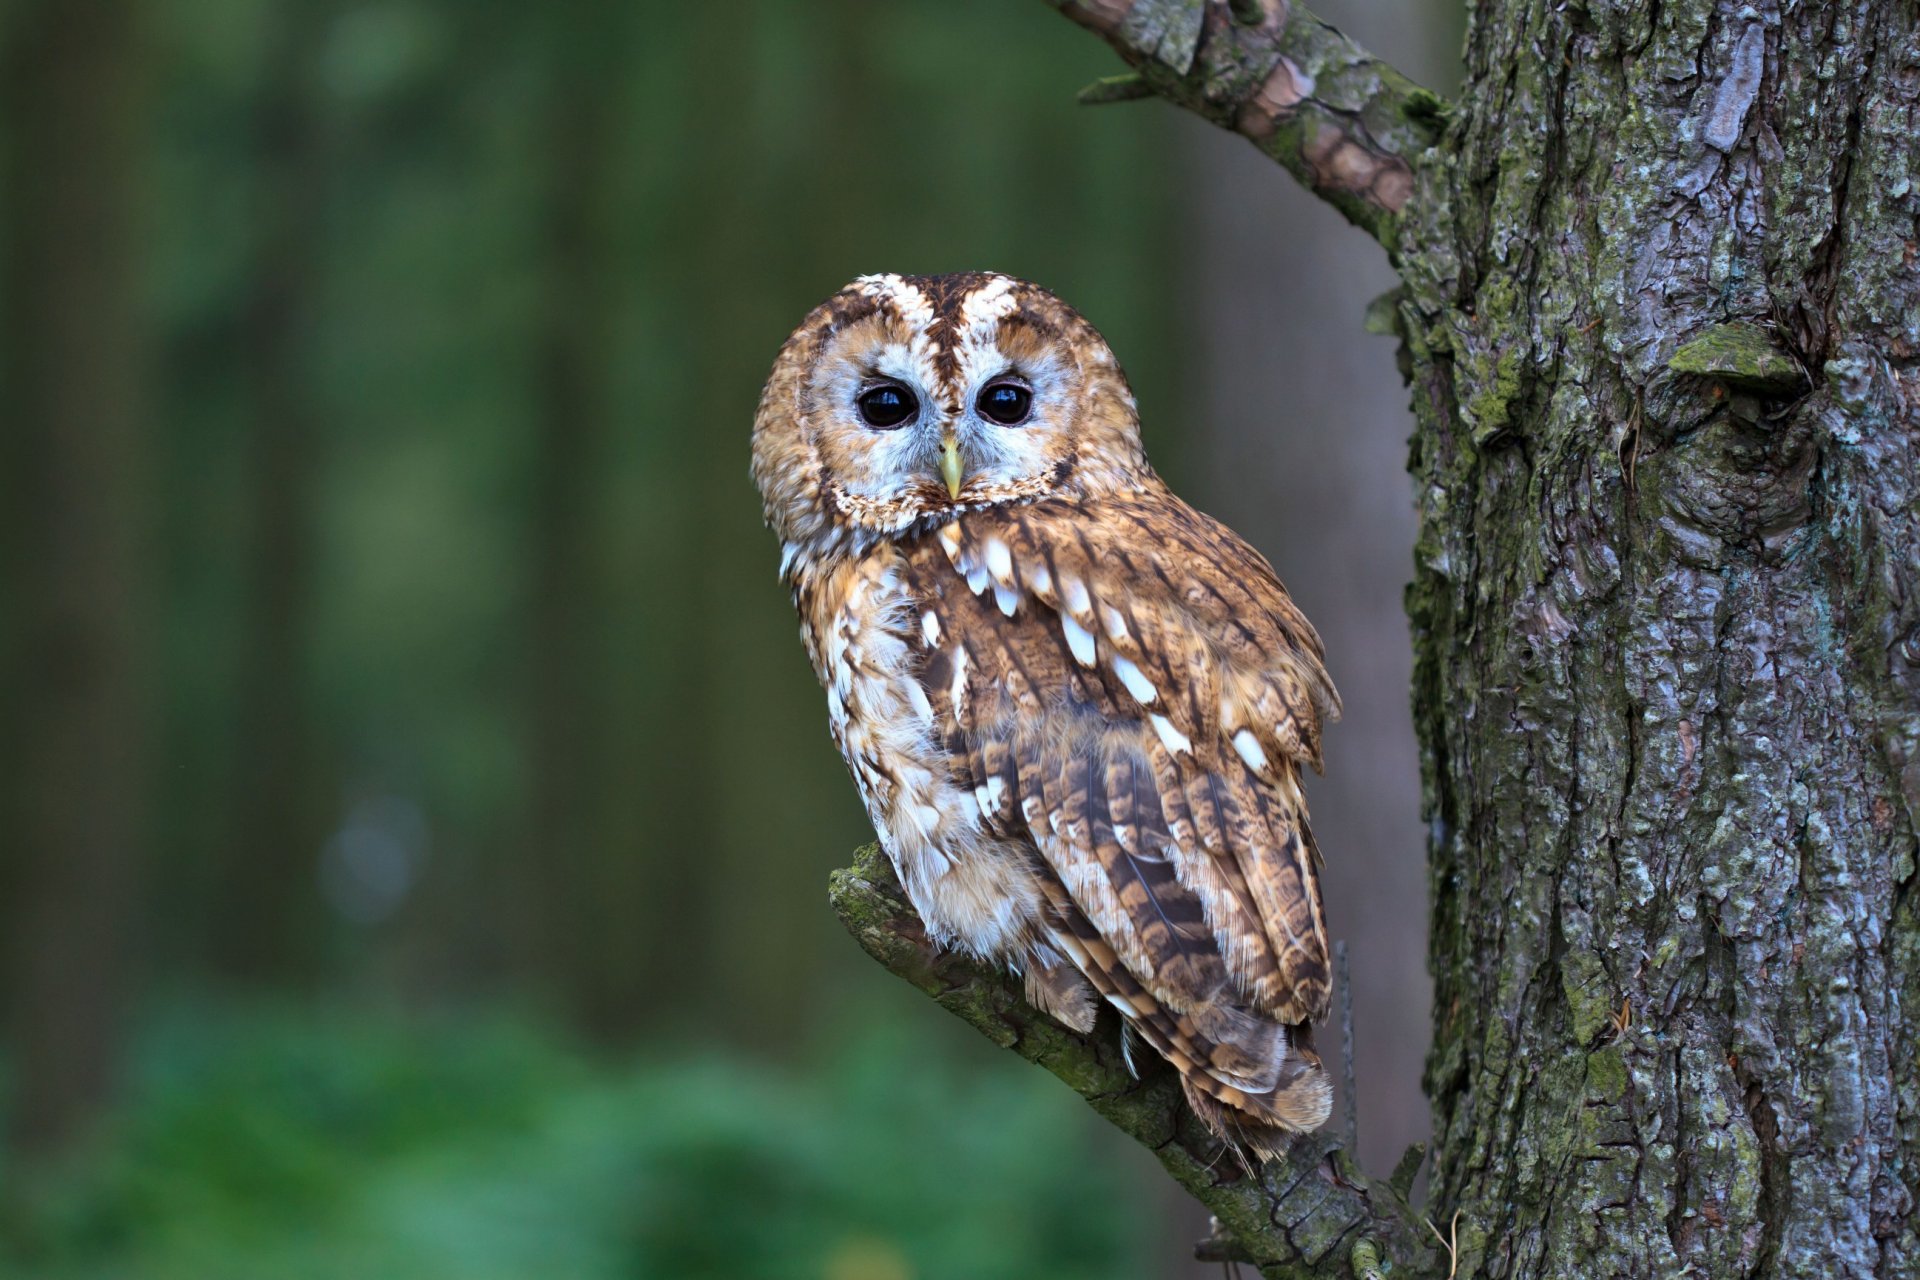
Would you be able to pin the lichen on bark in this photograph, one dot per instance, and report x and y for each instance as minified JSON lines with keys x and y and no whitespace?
{"x":1662,"y":739}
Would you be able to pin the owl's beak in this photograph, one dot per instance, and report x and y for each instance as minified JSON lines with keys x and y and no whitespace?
{"x":951,"y":469}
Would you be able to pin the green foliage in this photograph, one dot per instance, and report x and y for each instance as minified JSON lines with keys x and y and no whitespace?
{"x":305,"y":1148}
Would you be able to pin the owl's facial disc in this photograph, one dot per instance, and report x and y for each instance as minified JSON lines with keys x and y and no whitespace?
{"x":904,"y":400}
{"x":909,"y":427}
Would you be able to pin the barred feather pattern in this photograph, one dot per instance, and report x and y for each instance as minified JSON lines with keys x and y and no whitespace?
{"x":1122,"y":693}
{"x":1076,"y":708}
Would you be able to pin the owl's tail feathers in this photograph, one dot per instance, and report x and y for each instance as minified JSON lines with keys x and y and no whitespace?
{"x":1251,"y":1079}
{"x":1056,"y":988}
{"x":1299,"y":1101}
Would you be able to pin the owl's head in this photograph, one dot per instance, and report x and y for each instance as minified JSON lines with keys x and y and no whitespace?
{"x":903,"y":400}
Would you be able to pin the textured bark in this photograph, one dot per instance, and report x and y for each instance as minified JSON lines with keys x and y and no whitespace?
{"x":1340,"y":120}
{"x":1660,"y":313}
{"x":1662,"y":327}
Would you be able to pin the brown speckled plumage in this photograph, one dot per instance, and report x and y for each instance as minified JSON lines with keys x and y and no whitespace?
{"x":1076,"y":707}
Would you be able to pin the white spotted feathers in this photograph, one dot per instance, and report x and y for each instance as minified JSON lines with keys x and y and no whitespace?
{"x":1076,"y":708}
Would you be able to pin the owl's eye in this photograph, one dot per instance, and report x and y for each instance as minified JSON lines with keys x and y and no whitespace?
{"x":887,"y":406}
{"x":1007,"y":403}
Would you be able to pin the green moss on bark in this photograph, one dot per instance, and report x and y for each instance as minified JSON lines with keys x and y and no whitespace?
{"x":1743,"y":355}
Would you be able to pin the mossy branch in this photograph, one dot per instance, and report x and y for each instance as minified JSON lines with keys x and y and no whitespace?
{"x":1347,"y":125}
{"x":1310,"y":1214}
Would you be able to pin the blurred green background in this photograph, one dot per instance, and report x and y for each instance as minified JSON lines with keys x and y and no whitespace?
{"x":417,"y":810}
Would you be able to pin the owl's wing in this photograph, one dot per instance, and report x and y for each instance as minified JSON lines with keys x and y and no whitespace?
{"x":1126,"y":685}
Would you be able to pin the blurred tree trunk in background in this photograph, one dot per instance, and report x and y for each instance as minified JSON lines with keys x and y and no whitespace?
{"x":77,"y":397}
{"x":589,"y":939}
{"x":265,"y":929}
{"x":746,"y":919}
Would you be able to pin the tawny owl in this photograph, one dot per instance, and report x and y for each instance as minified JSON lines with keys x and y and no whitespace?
{"x":1076,"y":708}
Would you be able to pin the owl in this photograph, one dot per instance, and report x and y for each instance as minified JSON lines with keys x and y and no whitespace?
{"x":1075,"y":707}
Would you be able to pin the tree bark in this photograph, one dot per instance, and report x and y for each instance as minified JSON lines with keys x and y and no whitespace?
{"x":1660,"y":314}
{"x":1662,"y":332}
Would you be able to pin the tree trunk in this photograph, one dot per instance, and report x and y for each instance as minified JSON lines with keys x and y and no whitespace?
{"x":267,"y":930}
{"x":1660,"y":314}
{"x":75,"y":396}
{"x":590,"y":952}
{"x":1662,"y":319}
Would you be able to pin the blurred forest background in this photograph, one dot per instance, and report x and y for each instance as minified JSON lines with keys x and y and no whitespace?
{"x":417,"y":809}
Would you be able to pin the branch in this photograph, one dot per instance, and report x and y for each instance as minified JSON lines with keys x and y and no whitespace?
{"x":1311,"y":1214}
{"x":1344,"y":123}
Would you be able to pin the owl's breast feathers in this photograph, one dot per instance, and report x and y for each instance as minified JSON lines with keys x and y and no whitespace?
{"x":1127,"y":694}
